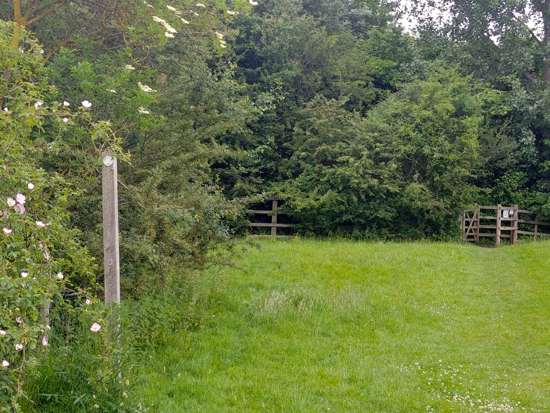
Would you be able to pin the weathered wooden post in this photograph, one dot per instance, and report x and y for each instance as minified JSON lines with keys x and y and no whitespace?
{"x":111,"y":255}
{"x":274,"y":206}
{"x":499,"y":215}
{"x":514,"y":224}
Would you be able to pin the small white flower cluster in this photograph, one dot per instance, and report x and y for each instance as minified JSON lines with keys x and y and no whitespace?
{"x":220,"y":38}
{"x":170,"y":31}
{"x":145,"y":88}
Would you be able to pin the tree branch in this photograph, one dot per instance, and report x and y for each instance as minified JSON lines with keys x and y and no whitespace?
{"x":528,"y":75}
{"x":492,"y":44}
{"x":34,"y":10}
{"x":35,"y":19}
{"x":17,"y":15}
{"x":534,"y":36}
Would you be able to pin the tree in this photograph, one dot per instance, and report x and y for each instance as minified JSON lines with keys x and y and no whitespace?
{"x":405,"y":169}
{"x":504,"y":44}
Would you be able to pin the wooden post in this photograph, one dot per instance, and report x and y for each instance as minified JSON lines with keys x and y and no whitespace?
{"x":111,"y":254}
{"x":476,"y":216}
{"x":536,"y":231}
{"x":499,"y":214}
{"x":514,"y":223}
{"x":274,"y":218}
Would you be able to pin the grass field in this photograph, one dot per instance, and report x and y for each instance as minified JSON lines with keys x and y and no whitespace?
{"x":336,"y":326}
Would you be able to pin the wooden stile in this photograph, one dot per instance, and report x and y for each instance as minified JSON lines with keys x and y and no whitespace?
{"x":507,"y":224}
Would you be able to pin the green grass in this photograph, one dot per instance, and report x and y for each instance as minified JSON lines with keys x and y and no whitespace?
{"x":336,"y":326}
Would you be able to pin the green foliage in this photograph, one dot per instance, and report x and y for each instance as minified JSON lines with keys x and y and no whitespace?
{"x":96,"y":370}
{"x":40,"y":257}
{"x":404,"y":169}
{"x":502,"y":44}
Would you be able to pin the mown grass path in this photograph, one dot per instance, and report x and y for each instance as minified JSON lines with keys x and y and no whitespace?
{"x":336,"y":326}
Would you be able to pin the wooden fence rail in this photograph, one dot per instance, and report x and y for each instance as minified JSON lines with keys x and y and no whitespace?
{"x":274,"y":218}
{"x":505,"y":223}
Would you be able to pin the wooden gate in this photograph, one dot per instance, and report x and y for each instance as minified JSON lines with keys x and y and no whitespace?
{"x":470,"y":225}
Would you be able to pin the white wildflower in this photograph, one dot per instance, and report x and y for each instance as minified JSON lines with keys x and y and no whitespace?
{"x":111,"y":90}
{"x":158,"y":19}
{"x":169,"y":28}
{"x":143,"y":110}
{"x":184,"y":21}
{"x":130,"y":67}
{"x":145,"y":88}
{"x":253,"y":3}
{"x":231,"y":12}
{"x":171,"y":8}
{"x":219,"y":35}
{"x":200,"y":5}
{"x":170,"y":35}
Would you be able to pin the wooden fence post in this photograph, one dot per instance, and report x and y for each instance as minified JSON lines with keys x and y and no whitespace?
{"x":274,"y":205}
{"x":515,"y":224}
{"x":477,"y":214}
{"x":499,"y":214}
{"x":111,"y":255}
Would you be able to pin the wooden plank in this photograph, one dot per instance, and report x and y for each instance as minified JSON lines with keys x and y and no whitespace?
{"x":269,"y":225}
{"x":259,"y":212}
{"x":269,"y":236}
{"x":524,"y":211}
{"x":493,"y":235}
{"x":538,"y":234}
{"x":488,"y":207}
{"x":488,"y":226}
{"x":111,"y":254}
{"x":522,"y":221}
{"x":488,"y":217}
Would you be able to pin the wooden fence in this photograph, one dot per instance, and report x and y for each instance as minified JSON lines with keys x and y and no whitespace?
{"x":501,"y":222}
{"x":273,"y":212}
